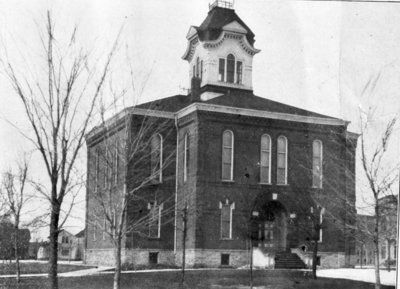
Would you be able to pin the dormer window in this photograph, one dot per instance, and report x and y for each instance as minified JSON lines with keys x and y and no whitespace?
{"x":230,"y":70}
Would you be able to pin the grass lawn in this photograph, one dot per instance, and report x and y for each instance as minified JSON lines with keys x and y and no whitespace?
{"x":207,"y":279}
{"x":37,"y":268}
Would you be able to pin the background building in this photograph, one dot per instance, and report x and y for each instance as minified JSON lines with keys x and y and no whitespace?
{"x":387,"y":232}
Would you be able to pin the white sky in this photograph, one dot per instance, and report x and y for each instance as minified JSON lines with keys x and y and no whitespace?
{"x":314,"y":55}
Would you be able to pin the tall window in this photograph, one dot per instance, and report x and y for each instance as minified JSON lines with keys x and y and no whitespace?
{"x":156,"y":157}
{"x":201,"y":69}
{"x":317,"y":164}
{"x":197,"y":67}
{"x":230,"y":68}
{"x":116,"y":165}
{"x":104,"y":227}
{"x":226,"y":219}
{"x":265,"y":159}
{"x":97,"y":168}
{"x":321,"y":220}
{"x":221,"y":70}
{"x":106,"y":169}
{"x":239,"y":72}
{"x":154,"y":219}
{"x":186,"y":157}
{"x":227,"y":155}
{"x":94,"y":232}
{"x":281,"y":177}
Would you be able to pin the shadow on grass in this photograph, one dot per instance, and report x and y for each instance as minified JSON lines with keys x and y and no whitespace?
{"x":208,"y":279}
{"x":38,"y":268}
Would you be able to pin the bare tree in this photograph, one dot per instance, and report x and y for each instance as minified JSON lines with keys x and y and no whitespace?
{"x":59,"y":105}
{"x":15,"y":197}
{"x":380,"y":176}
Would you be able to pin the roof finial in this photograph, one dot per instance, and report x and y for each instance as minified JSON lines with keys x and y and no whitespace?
{"x":229,"y":4}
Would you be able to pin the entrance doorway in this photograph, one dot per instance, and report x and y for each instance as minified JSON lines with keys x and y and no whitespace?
{"x":272,"y":228}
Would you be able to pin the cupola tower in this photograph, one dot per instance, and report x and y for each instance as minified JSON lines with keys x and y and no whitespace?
{"x":220,"y":51}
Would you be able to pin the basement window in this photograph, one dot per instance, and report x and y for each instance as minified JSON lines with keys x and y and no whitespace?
{"x":153,"y":258}
{"x":224,"y":259}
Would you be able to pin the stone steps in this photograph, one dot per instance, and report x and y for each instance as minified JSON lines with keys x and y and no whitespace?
{"x":285,"y":260}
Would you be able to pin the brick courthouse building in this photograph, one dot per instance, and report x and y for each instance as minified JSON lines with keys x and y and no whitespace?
{"x":251,"y":172}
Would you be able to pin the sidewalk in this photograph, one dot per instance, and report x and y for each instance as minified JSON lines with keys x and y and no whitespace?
{"x":367,"y":275}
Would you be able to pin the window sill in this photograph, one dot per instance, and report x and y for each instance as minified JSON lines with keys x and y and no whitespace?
{"x":265,"y":184}
{"x":283,"y":185}
{"x":227,"y":181}
{"x":226,"y":239}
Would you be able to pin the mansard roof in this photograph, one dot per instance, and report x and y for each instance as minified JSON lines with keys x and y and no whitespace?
{"x":216,"y":19}
{"x":234,"y":99}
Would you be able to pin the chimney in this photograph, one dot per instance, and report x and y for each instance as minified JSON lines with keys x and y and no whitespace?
{"x":195,"y":89}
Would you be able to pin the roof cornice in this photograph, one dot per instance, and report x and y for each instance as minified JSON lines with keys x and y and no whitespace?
{"x":219,"y":109}
{"x":228,"y":33}
{"x":122,"y":114}
{"x":259,"y":113}
{"x":241,"y":37}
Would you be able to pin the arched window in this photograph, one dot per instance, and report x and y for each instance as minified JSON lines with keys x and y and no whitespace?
{"x":186,"y":157}
{"x":317,"y":164}
{"x":230,"y":69}
{"x":281,"y":177}
{"x":156,"y":158}
{"x":265,"y":159}
{"x":227,"y":155}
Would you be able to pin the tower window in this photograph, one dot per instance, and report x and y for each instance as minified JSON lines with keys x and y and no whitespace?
{"x":201,"y":69}
{"x":197,"y":67}
{"x":221,"y":73}
{"x":239,"y":72}
{"x":230,"y":69}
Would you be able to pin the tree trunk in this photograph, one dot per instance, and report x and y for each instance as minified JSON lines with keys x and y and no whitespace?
{"x":314,"y":263}
{"x":388,"y":258}
{"x":117,"y":256}
{"x":53,"y":248}
{"x":16,"y":245}
{"x":376,"y":248}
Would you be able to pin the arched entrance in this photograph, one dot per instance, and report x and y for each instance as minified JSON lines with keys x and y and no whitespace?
{"x":271,"y":227}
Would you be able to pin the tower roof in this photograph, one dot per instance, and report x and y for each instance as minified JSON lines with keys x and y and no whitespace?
{"x":217,"y":18}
